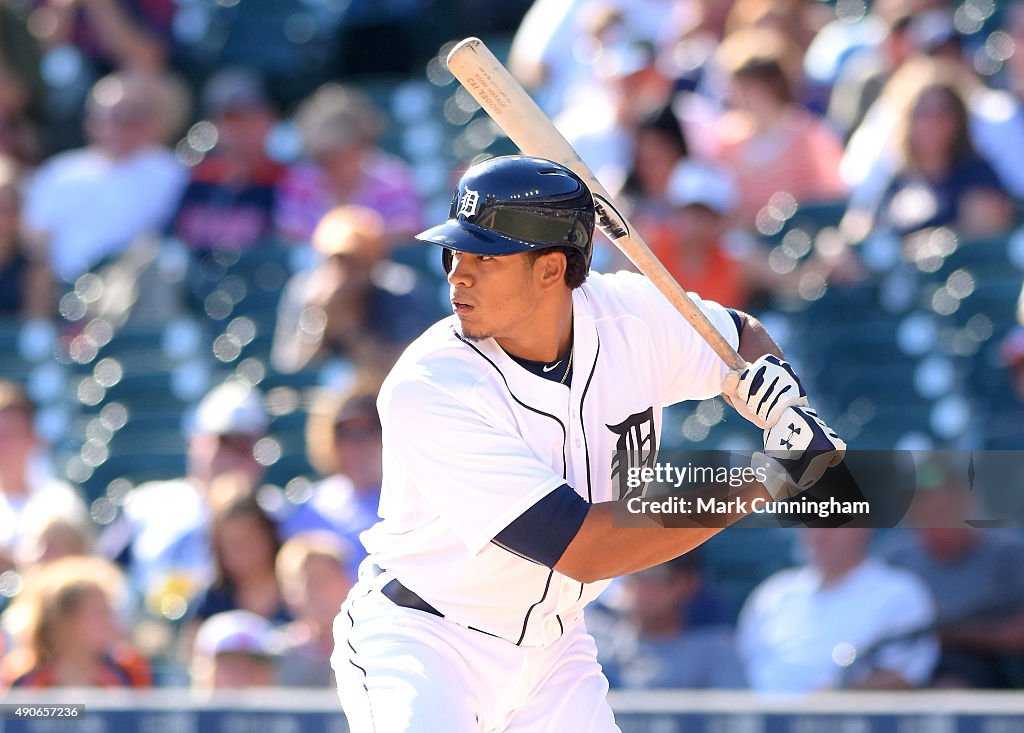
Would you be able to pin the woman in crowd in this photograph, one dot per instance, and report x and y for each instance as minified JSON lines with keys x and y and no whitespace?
{"x":659,"y":145}
{"x":939,"y":179}
{"x":245,"y":542}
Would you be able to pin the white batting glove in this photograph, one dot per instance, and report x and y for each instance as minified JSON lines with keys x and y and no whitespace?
{"x":764,"y":390}
{"x":797,"y":452}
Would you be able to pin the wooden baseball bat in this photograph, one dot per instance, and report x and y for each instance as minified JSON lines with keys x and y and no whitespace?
{"x":515,"y":112}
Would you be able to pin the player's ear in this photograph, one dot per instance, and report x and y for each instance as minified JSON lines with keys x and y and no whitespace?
{"x":551,"y":268}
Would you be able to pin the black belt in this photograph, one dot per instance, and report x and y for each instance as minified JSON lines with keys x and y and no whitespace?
{"x":398,"y":594}
{"x":402,"y":596}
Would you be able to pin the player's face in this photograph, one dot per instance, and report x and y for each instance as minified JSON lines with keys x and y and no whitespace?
{"x":493,"y":297}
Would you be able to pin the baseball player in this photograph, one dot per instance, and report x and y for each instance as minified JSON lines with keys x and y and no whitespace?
{"x":501,"y":425}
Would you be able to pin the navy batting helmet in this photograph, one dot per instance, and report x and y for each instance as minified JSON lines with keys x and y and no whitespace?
{"x":516,"y":203}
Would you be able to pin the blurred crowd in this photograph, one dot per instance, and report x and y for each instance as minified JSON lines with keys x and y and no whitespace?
{"x":155,"y":170}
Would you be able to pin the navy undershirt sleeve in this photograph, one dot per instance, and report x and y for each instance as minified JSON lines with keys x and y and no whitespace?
{"x":543,"y":531}
{"x":737,"y":320}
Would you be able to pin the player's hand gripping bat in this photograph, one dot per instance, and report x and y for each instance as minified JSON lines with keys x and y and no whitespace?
{"x":515,"y":112}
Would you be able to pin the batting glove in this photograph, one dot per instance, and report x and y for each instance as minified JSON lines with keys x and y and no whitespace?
{"x":797,"y":452}
{"x":764,"y":390}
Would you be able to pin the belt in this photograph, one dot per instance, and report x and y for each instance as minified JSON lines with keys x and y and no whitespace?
{"x":402,"y":596}
{"x":398,"y":594}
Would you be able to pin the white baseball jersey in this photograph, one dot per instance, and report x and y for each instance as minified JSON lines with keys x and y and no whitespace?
{"x":472,"y":439}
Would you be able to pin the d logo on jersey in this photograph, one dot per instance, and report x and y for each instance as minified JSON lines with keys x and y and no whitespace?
{"x":637,"y":446}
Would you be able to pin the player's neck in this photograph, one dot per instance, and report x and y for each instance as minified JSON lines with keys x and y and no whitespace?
{"x":545,"y":337}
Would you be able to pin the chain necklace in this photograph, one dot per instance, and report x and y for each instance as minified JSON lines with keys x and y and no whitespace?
{"x":568,"y":364}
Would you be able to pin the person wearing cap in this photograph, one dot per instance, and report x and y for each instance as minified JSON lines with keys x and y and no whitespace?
{"x":340,"y":126}
{"x":162,"y":532}
{"x":629,"y":86}
{"x":354,"y":303}
{"x":234,"y":650}
{"x":343,"y":442}
{"x":691,"y":243}
{"x":229,"y":201}
{"x":700,"y":244}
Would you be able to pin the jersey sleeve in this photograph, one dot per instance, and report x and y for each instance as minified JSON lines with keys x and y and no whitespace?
{"x":689,"y":368}
{"x":477,"y":476}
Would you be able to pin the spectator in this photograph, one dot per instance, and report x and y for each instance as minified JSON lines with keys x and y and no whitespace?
{"x":767,"y":141}
{"x":996,"y":125}
{"x":355,"y":303}
{"x":976,"y":580}
{"x":343,"y":440}
{"x":842,"y":620}
{"x":111,"y":34}
{"x":233,"y":651}
{"x":229,"y":201}
{"x":939,"y":179}
{"x":797,"y":21}
{"x":28,"y":487}
{"x":313,"y":570}
{"x":66,"y":621}
{"x":340,"y":127}
{"x":601,"y":125}
{"x":54,"y":529}
{"x":87,"y":206}
{"x":162,"y":534}
{"x":659,"y":146}
{"x":26,"y":287}
{"x":796,"y":18}
{"x":244,"y":541}
{"x":706,"y":254}
{"x":559,"y":42}
{"x":692,"y":241}
{"x":84,"y":40}
{"x":651,"y":645}
{"x":20,"y":88}
{"x":861,"y":80}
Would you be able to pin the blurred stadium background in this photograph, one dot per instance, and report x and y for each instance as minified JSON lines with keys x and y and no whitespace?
{"x":911,"y":354}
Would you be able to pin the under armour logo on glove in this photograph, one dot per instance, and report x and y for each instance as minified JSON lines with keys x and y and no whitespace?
{"x":764,"y":390}
{"x":797,"y":452}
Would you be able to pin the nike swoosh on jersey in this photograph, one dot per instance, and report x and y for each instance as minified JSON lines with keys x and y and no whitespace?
{"x":549,"y":368}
